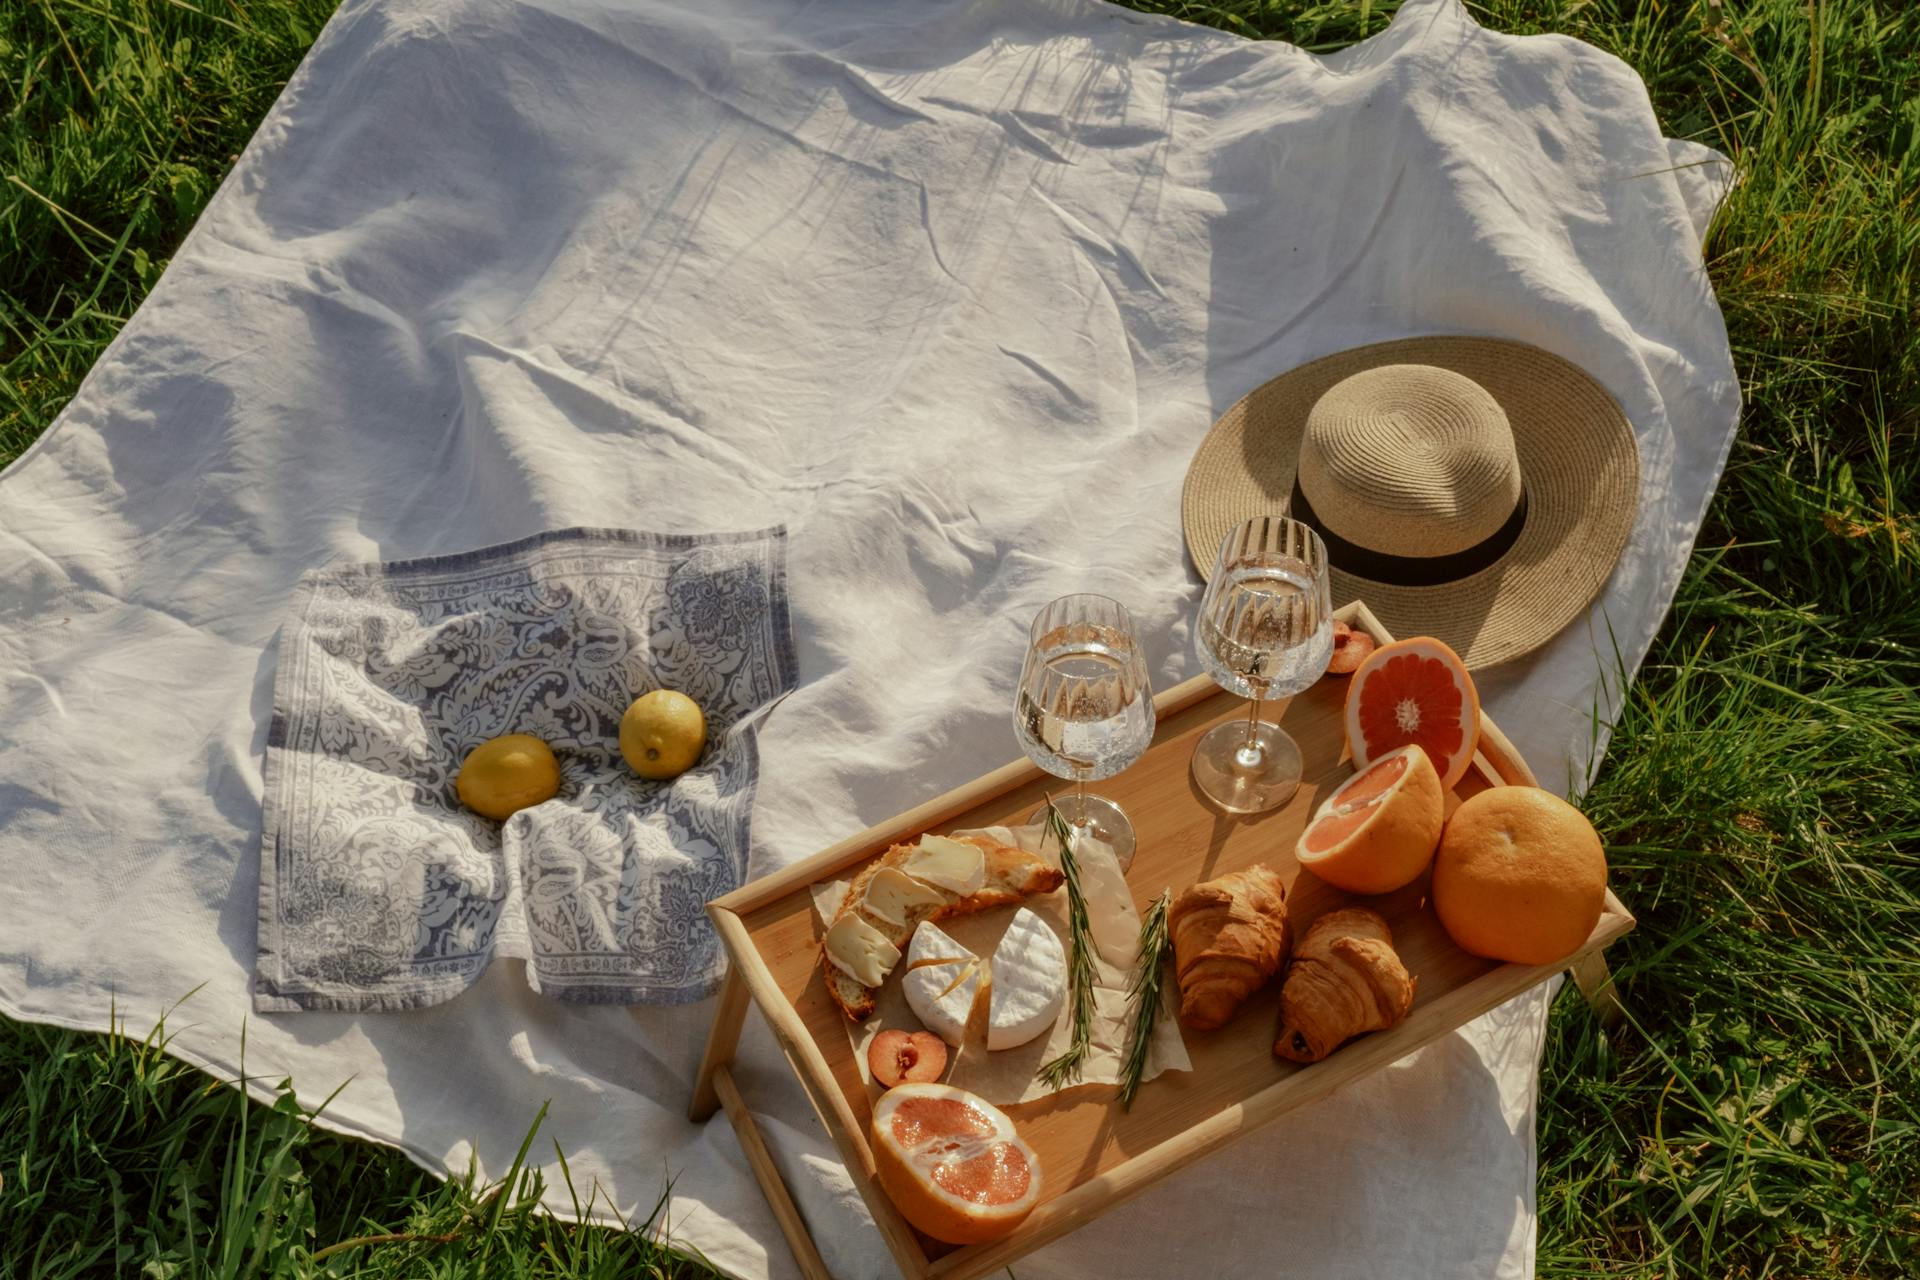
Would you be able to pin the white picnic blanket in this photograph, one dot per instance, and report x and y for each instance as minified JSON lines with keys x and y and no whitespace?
{"x":949,"y":289}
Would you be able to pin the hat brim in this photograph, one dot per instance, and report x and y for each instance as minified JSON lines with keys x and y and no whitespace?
{"x":1578,"y":460}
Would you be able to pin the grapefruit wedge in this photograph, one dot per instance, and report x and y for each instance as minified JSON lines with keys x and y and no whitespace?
{"x":1414,"y":691}
{"x":1377,"y":833}
{"x":952,"y":1163}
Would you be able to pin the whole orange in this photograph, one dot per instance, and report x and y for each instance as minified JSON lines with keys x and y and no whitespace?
{"x":1520,"y":876}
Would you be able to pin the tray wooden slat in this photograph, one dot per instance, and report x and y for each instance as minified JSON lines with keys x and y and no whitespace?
{"x":1094,"y":1155}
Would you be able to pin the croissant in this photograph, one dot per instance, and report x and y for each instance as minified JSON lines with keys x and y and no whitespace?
{"x":1346,"y":979}
{"x":1229,"y":938}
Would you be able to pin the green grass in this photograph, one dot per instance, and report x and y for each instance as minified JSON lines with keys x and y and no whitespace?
{"x":121,"y":1160}
{"x":1761,"y":800}
{"x":120,"y":120}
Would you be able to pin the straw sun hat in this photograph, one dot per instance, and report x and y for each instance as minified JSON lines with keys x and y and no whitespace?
{"x":1466,"y":488}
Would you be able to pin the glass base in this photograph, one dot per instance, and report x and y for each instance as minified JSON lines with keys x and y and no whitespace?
{"x":1096,"y":816}
{"x":1242,"y":776}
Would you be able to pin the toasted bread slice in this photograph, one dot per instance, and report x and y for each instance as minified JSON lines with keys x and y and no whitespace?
{"x":1011,"y":875}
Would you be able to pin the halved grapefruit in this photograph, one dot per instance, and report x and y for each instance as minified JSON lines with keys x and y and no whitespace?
{"x":1414,"y":691}
{"x":952,"y":1163}
{"x":1377,"y":833}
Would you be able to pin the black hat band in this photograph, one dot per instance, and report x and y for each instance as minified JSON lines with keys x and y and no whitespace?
{"x":1410,"y":571}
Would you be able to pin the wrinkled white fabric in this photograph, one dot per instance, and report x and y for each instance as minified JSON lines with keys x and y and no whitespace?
{"x":952,"y":290}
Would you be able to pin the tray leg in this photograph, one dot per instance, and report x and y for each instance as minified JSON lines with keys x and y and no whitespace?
{"x":792,"y":1226}
{"x":1595,"y":980}
{"x":722,"y":1040}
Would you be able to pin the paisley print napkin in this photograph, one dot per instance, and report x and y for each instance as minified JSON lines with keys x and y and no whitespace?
{"x":379,"y":891}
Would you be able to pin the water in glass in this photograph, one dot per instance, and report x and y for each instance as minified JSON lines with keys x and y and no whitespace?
{"x":1084,"y":709}
{"x":1269,"y":631}
{"x":1082,"y":716}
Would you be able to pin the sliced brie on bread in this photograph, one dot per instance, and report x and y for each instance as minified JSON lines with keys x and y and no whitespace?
{"x":889,"y":900}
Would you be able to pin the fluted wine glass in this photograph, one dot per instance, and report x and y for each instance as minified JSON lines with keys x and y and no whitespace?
{"x":1084,"y":708}
{"x":1266,"y":631}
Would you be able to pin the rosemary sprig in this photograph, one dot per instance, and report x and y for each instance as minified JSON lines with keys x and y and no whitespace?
{"x":1081,"y":975}
{"x":1144,"y":995}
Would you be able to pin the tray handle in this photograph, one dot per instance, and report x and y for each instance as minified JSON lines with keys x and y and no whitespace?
{"x":1500,"y":753}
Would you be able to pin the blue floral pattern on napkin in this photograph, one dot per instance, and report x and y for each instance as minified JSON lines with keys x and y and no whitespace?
{"x":380,"y":891}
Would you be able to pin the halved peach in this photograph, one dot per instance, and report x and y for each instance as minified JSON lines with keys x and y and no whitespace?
{"x":1350,"y":649}
{"x":915,"y":1056}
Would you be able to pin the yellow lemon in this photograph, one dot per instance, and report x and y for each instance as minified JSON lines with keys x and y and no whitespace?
{"x":662,"y":734}
{"x":504,"y":775}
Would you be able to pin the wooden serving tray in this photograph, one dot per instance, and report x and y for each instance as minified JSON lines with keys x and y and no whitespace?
{"x":1092,"y":1154}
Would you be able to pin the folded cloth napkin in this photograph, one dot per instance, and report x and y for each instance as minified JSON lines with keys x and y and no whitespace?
{"x":380,"y":891}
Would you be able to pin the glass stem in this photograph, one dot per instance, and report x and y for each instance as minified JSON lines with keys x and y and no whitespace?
{"x":1080,"y":795}
{"x":1252,"y":755}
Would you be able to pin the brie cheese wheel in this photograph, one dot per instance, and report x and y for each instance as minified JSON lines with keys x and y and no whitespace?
{"x":860,"y":951}
{"x":1027,"y":975}
{"x":952,"y":865}
{"x":892,"y":894}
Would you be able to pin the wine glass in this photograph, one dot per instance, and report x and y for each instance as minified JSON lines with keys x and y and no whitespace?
{"x":1084,"y":709}
{"x":1266,"y":630}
